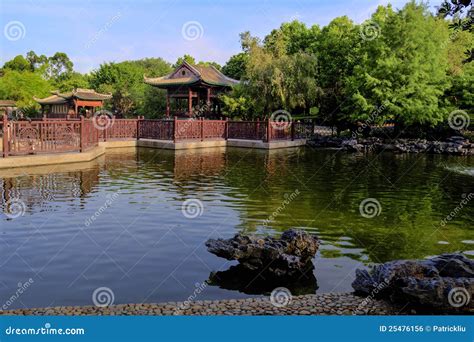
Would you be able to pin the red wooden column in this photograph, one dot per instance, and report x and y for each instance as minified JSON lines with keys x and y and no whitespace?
{"x":190,"y":102}
{"x":167,"y":103}
{"x":5,"y":135}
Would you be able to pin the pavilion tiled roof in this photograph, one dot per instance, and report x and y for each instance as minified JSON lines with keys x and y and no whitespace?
{"x":204,"y":74}
{"x":79,"y":93}
{"x":53,"y":99}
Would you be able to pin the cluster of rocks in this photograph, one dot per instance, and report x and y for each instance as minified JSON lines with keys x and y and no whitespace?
{"x":288,"y":256}
{"x":321,"y":304}
{"x":444,"y":282}
{"x":455,"y":145}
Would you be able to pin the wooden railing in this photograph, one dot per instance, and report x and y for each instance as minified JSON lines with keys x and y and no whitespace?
{"x":53,"y":135}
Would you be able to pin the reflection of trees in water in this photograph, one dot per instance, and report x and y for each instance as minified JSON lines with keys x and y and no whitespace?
{"x":39,"y":190}
{"x":415,"y":193}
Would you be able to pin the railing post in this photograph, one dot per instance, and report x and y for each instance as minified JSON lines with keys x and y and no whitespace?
{"x":226,"y":132}
{"x":175,"y":127}
{"x":202,"y":128}
{"x":269,"y":128}
{"x":138,"y":126}
{"x":257,"y":129}
{"x":5,"y":135}
{"x":82,"y":134}
{"x":292,"y":128}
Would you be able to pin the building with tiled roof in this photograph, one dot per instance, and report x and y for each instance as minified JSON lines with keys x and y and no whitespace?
{"x":71,"y":103}
{"x":7,"y":107}
{"x":194,"y":88}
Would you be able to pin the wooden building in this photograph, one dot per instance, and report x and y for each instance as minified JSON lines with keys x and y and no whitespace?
{"x":72,"y":104}
{"x":7,"y":107}
{"x":193,"y":90}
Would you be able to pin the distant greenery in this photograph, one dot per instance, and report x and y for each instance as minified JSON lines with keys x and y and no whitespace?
{"x":405,"y":66}
{"x":408,"y":66}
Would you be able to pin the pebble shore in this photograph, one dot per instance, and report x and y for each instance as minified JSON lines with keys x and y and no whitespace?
{"x":319,"y":304}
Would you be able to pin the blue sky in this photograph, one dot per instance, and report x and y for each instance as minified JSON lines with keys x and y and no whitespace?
{"x":93,"y":32}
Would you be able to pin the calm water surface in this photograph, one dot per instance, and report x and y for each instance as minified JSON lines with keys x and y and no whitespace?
{"x":117,"y":222}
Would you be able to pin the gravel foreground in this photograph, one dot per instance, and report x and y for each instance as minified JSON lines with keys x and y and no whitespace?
{"x":318,"y":304}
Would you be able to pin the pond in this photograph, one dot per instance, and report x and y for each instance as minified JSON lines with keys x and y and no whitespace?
{"x":119,"y":221}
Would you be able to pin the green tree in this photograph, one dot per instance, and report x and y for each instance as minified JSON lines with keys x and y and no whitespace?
{"x":235,"y":66}
{"x":22,"y":86}
{"x":18,"y":63}
{"x":404,"y":68}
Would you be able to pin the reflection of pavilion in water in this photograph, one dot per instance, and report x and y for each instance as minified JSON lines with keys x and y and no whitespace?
{"x":41,"y":189}
{"x":198,"y":162}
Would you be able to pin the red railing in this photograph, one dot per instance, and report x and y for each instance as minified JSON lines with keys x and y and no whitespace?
{"x":24,"y":137}
{"x":247,"y":130}
{"x":118,"y":129}
{"x":89,"y":137}
{"x":156,"y":129}
{"x":49,"y":136}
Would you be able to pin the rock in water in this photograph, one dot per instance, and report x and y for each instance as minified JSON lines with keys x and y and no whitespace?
{"x":445,"y":282}
{"x":289,"y":255}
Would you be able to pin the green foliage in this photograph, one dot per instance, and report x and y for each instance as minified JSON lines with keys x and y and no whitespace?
{"x":236,"y":65}
{"x":21,"y":86}
{"x":19,"y":63}
{"x":125,"y":81}
{"x":403,"y":70}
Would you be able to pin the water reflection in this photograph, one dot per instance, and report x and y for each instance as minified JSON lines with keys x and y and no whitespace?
{"x":145,"y":249}
{"x":237,"y":278}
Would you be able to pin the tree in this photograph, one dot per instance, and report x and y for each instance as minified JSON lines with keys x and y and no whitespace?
{"x":36,"y":62}
{"x":462,"y":12}
{"x":403,"y":69}
{"x":58,"y":65}
{"x":18,"y":63}
{"x":293,"y":37}
{"x":186,"y":58}
{"x":235,"y":66}
{"x":337,"y":50}
{"x":130,"y":95}
{"x":22,"y":86}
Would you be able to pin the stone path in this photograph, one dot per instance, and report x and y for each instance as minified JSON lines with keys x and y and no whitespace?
{"x":320,"y":304}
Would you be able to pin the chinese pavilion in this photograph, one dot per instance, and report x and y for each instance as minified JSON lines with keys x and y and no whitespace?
{"x":194,"y":90}
{"x":72,"y":103}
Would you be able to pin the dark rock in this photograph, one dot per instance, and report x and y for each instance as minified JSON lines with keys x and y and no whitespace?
{"x":289,"y":255}
{"x":432,"y":282}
